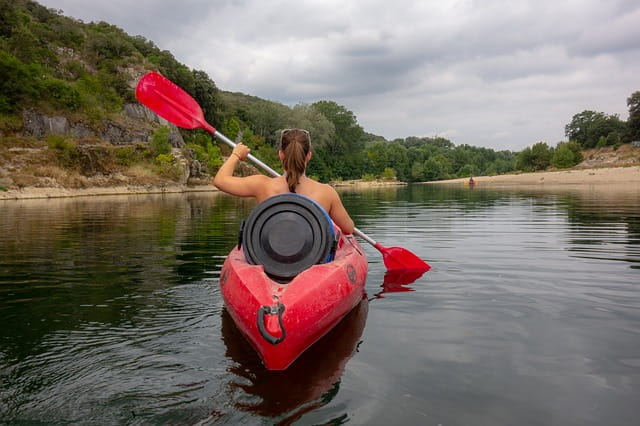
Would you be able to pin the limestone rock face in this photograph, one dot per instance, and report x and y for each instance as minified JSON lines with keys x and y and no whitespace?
{"x":137,"y":125}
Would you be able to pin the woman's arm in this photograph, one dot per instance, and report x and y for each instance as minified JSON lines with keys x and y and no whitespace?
{"x":339,"y":214}
{"x":249,"y":186}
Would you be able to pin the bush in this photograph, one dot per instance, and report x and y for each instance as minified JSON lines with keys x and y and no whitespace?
{"x":165,"y":159}
{"x":563,"y":157}
{"x":160,"y":141}
{"x":67,"y":153}
{"x":209,"y":155}
{"x":388,"y":174}
{"x":166,"y":167}
{"x":368,"y":177}
{"x":127,"y":155}
{"x":18,"y":81}
{"x":567,"y":154}
{"x":62,"y":94}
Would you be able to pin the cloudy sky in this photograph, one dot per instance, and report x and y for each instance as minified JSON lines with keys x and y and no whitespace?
{"x":493,"y":73}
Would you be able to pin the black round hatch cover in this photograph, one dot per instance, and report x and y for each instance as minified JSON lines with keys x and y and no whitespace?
{"x":287,"y":233}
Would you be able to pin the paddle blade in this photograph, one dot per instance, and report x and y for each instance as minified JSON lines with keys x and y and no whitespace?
{"x":170,"y":102}
{"x":400,"y":277}
{"x":397,"y":258}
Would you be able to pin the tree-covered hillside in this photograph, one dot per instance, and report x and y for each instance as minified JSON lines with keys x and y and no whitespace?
{"x":76,"y":82}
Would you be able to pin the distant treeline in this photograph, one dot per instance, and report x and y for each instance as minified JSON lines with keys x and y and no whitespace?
{"x":59,"y":64}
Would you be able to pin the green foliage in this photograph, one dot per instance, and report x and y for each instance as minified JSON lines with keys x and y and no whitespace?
{"x":541,"y":154}
{"x":18,"y":82}
{"x":349,"y":135}
{"x":166,"y":166}
{"x":368,"y":177}
{"x":563,"y":157}
{"x":215,"y":156}
{"x":160,"y":141}
{"x":127,"y":155}
{"x":633,"y":123}
{"x":67,"y":153}
{"x":524,"y":161}
{"x":107,"y":43}
{"x":208,"y":155}
{"x":417,"y":172}
{"x":535,"y":158}
{"x":231,"y":128}
{"x":388,"y":174}
{"x":165,"y":159}
{"x":588,"y":127}
{"x":437,"y":167}
{"x":62,"y":94}
{"x":566,"y":154}
{"x":469,"y":170}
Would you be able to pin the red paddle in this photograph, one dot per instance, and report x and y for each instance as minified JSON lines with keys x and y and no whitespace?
{"x":175,"y":105}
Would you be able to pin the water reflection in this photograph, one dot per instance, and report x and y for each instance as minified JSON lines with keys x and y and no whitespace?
{"x":105,"y":265}
{"x":112,"y":313}
{"x":312,"y":381}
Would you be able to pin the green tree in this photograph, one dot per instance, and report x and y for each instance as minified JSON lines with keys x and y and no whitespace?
{"x":588,"y":127}
{"x":231,"y":128}
{"x":541,"y":156}
{"x":563,"y":157}
{"x":468,"y":170}
{"x":17,"y":81}
{"x":524,"y":160}
{"x":160,"y":142}
{"x":633,"y":123}
{"x":206,"y":94}
{"x":388,"y":174}
{"x":266,"y":118}
{"x":417,"y":172}
{"x":437,"y":167}
{"x":9,"y":18}
{"x":308,"y":117}
{"x":349,"y":136}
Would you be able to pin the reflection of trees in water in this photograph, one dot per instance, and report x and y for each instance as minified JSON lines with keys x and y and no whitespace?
{"x":68,"y":262}
{"x":602,"y":216}
{"x":311,"y":382}
{"x":592,"y":210}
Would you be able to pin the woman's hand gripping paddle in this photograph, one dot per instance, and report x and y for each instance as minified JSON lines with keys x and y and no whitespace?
{"x":172,"y":103}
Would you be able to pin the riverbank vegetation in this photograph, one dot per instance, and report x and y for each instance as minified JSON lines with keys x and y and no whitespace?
{"x":84,"y":75}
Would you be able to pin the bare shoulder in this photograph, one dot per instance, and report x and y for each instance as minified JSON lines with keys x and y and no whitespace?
{"x":328,"y":192}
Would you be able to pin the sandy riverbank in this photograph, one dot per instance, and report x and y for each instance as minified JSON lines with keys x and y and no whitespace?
{"x":612,"y":175}
{"x":39,"y":193}
{"x":32,"y":192}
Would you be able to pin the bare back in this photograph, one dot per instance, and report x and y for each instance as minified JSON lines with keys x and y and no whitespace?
{"x":262,"y":187}
{"x":321,"y":193}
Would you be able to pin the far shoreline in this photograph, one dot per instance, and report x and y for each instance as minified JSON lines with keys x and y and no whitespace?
{"x":593,"y":176}
{"x":31,"y":193}
{"x":629,"y":175}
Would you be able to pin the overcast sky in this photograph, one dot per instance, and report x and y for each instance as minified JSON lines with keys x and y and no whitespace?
{"x":493,"y":73}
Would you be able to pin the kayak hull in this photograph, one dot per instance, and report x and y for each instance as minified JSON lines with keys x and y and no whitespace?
{"x":282,"y":320}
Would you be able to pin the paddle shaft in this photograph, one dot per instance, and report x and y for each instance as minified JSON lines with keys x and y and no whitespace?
{"x":175,"y":105}
{"x":253,"y":159}
{"x":273,"y":173}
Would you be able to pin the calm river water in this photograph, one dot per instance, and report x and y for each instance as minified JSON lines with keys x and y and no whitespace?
{"x":111,"y":314}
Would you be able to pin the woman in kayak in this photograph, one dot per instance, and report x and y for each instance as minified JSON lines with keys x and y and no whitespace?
{"x":294,"y":153}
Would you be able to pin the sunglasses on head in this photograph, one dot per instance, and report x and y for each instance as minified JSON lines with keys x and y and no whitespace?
{"x":285,"y":131}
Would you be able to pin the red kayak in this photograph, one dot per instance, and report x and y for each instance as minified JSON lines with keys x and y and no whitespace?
{"x":294,"y":278}
{"x":282,"y":320}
